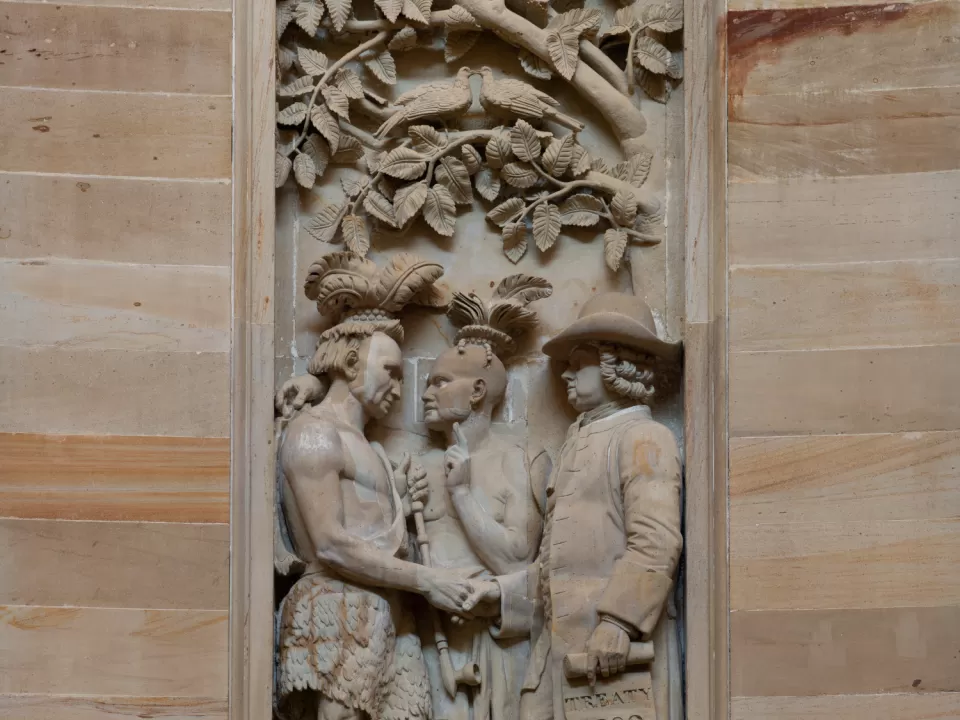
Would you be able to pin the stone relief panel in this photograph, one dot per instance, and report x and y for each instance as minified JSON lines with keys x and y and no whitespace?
{"x":479,"y":514}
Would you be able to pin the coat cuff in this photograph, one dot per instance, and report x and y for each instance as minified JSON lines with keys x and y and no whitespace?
{"x":517,"y":608}
{"x":635,"y":596}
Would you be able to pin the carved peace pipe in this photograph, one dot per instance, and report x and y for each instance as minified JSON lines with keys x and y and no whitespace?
{"x":575,"y":664}
{"x":469,"y":674}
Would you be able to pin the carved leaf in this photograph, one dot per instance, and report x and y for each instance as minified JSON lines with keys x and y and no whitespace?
{"x":384,"y":67}
{"x":498,"y":150}
{"x":403,"y":163}
{"x":471,"y":159}
{"x":292,"y":114}
{"x":623,"y":207}
{"x":408,"y":201}
{"x":458,"y":18}
{"x":304,"y":170}
{"x":349,"y":150}
{"x":459,"y":44}
{"x":327,"y":125}
{"x":439,"y":210}
{"x":405,"y":39}
{"x":308,"y":14}
{"x":417,"y":10}
{"x":557,"y":156}
{"x":580,"y":163}
{"x":426,"y":139}
{"x":524,"y":142}
{"x":300,"y":86}
{"x":627,"y":17}
{"x":546,"y":225}
{"x":388,"y":186}
{"x":656,"y":87}
{"x":665,"y":18}
{"x":514,"y":241}
{"x":487,"y":184}
{"x":583,"y":21}
{"x":381,"y":208}
{"x":312,"y":62}
{"x":453,"y":174}
{"x":655,"y":57}
{"x":286,"y":57}
{"x":581,"y":210}
{"x":614,"y":30}
{"x":635,"y":169}
{"x":336,"y":101}
{"x":339,"y":12}
{"x":323,"y":226}
{"x":281,"y":170}
{"x":564,"y":48}
{"x":355,"y":235}
{"x":285,"y":14}
{"x":348,"y":82}
{"x":352,"y":188}
{"x":614,"y":245}
{"x":519,"y":175}
{"x":599,"y":164}
{"x":502,"y":213}
{"x":523,"y":289}
{"x":534,"y":65}
{"x":390,"y":8}
{"x":373,"y":160}
{"x":316,"y":148}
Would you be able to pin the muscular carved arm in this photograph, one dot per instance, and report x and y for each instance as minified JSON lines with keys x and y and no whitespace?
{"x":502,"y":546}
{"x":313,"y":458}
{"x":650,"y":480}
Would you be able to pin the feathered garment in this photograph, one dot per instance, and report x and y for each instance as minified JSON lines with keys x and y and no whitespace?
{"x":353,"y":645}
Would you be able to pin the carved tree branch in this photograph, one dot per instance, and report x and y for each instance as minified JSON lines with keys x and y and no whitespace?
{"x":625,"y":118}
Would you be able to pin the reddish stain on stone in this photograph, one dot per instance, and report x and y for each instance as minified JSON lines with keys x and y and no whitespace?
{"x":754,"y":36}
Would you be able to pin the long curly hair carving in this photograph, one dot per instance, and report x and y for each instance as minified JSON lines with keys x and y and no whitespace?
{"x":627,"y":373}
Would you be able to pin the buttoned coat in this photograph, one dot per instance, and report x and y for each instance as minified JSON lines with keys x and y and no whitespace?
{"x":611,"y":540}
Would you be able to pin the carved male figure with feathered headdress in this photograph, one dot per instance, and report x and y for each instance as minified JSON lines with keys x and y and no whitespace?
{"x":483,"y":514}
{"x":348,"y":649}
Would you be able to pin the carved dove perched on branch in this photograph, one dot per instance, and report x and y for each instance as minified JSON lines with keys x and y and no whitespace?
{"x":432,"y":100}
{"x":514,"y":98}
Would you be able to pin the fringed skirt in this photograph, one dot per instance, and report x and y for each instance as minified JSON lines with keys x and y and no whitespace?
{"x":353,"y":645}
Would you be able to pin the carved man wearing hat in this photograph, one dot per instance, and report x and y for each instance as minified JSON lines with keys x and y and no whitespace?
{"x":612,"y":537}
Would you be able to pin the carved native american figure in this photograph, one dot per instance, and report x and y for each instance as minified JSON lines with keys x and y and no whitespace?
{"x":483,"y":514}
{"x":347,"y":644}
{"x":611,"y":540}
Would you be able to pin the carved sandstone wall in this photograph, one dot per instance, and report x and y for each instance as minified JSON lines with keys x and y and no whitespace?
{"x":114,"y":309}
{"x":844,"y":290}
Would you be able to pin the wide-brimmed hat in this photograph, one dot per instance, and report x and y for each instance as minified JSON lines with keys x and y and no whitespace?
{"x":612,"y":318}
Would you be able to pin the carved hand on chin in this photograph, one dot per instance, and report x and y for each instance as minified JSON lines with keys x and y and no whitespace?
{"x":456,"y":460}
{"x":607,"y":648}
{"x":297,"y":392}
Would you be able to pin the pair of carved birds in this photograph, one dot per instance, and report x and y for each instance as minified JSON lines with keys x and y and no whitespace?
{"x":503,"y":98}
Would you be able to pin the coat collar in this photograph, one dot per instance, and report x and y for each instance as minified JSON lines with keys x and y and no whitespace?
{"x":599,"y":418}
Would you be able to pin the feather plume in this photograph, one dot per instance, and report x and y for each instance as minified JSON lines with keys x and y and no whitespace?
{"x":466,"y":310}
{"x":337,"y":280}
{"x":502,"y":320}
{"x":402,"y":279}
{"x":523,"y":289}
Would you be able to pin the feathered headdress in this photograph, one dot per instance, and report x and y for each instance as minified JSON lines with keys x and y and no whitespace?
{"x":355,"y":290}
{"x":496,"y":324}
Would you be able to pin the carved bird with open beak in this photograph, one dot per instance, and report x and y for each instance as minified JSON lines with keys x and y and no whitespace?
{"x":436,"y":100}
{"x":507,"y":98}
